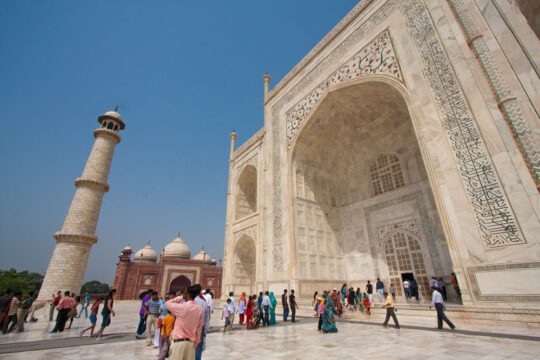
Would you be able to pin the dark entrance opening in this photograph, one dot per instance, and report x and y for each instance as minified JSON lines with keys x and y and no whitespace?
{"x":179,"y":284}
{"x":407,"y":276}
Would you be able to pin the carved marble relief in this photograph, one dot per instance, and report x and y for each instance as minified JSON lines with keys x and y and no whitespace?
{"x":494,"y":217}
{"x":378,"y":57}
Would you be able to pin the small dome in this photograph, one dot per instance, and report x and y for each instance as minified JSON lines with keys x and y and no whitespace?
{"x":177,"y":248}
{"x":113,"y":114}
{"x":146,"y":254}
{"x":203,"y":256}
{"x":128,"y":247}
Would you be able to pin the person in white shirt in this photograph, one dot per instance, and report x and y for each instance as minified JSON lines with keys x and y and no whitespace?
{"x":232,"y":308}
{"x":407,"y":288}
{"x":266,"y":305}
{"x":209,"y":300}
{"x":437,"y":301}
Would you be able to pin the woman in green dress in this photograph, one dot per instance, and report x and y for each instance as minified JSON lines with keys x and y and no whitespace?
{"x":273,"y":301}
{"x":329,"y":316}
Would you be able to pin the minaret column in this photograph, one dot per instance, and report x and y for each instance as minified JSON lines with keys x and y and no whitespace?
{"x":73,"y":242}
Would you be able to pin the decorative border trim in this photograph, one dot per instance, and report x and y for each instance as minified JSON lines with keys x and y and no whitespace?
{"x":494,"y":217}
{"x":377,"y":57}
{"x":107,"y":133}
{"x":75,"y":238}
{"x":80,"y":182}
{"x":475,"y":287}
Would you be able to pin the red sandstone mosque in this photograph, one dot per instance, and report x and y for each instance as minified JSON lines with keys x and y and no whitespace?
{"x":174,"y":271}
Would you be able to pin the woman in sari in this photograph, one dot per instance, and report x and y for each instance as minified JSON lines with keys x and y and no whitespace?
{"x":359,"y":301}
{"x":337,"y":304}
{"x":249,"y":311}
{"x":328,"y":316}
{"x":273,"y":301}
{"x":256,"y":317}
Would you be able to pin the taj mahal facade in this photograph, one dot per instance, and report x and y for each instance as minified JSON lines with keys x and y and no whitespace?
{"x":405,"y":144}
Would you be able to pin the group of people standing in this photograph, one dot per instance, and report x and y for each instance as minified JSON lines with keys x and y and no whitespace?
{"x":176,"y":324}
{"x":256,"y":309}
{"x":14,"y":310}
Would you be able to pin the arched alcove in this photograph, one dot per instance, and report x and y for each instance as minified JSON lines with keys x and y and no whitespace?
{"x":179,"y":283}
{"x":244,"y":264}
{"x":246,"y":192}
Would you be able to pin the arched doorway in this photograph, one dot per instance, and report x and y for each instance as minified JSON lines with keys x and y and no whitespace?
{"x":246,"y":192}
{"x":179,"y":283}
{"x":357,"y":169}
{"x":404,"y":259}
{"x":244,"y":264}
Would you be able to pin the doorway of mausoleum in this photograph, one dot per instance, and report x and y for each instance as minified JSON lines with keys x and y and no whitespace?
{"x":179,"y":284}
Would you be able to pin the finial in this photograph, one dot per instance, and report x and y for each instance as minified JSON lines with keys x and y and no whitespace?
{"x":203,"y":248}
{"x":116,"y":108}
{"x":178,"y":235}
{"x":266,"y":79}
{"x":148,"y":243}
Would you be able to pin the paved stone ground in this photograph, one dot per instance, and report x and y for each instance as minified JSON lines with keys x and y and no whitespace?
{"x":357,"y":339}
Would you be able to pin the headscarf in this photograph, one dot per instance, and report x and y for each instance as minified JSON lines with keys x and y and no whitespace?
{"x":272,"y":298}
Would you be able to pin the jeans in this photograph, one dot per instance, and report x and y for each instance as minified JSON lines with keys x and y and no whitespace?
{"x":199,"y":349}
{"x":380,"y":294}
{"x":266,"y":318}
{"x":85,"y":309}
{"x":142,"y":324}
{"x":408,"y":293}
{"x":285,"y":313}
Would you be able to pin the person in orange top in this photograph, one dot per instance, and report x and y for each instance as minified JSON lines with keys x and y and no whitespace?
{"x":367,"y":304}
{"x":167,"y":324}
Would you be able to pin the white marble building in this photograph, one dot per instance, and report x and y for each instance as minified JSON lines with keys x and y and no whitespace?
{"x":406,"y":142}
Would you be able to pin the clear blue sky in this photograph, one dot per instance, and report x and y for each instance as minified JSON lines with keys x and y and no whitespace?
{"x":184,"y":73}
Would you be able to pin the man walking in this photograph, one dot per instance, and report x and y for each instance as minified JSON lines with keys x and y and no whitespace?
{"x":14,"y":306}
{"x":406,"y":287}
{"x":285,"y":303}
{"x":390,"y":311}
{"x":187,"y":327}
{"x":5,"y":300}
{"x":369,"y":290}
{"x":437,"y":301}
{"x":144,"y":297}
{"x":380,"y":289}
{"x":26,"y":303}
{"x":294,"y":306}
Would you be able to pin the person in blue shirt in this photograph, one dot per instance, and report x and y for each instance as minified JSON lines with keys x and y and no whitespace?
{"x":85,"y":303}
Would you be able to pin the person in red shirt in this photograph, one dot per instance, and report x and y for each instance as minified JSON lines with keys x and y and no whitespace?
{"x":188,"y":324}
{"x":64,"y":308}
{"x":93,"y":317}
{"x":54,"y":303}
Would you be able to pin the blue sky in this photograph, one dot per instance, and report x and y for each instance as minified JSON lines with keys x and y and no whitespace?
{"x":184,"y":73}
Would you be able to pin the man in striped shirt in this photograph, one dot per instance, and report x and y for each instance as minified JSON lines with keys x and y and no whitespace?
{"x":151,"y":308}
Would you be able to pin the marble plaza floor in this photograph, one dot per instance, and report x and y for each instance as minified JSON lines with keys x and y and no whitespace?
{"x":359,"y":337}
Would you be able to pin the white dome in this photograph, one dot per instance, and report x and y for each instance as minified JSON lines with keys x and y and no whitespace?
{"x":146,"y":254}
{"x":128,"y":247}
{"x":177,"y":248}
{"x":203,"y":256}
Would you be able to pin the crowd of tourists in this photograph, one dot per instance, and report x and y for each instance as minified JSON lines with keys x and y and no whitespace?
{"x":254,"y":310}
{"x":176,"y":324}
{"x":16,"y":310}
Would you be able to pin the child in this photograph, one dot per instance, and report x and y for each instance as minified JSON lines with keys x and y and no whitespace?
{"x":167,"y":324}
{"x":367,"y":304}
{"x":393,"y":291}
{"x":320,"y":309}
{"x":93,"y":317}
{"x":227,"y":315}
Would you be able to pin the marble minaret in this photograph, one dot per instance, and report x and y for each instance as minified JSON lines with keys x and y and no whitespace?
{"x":75,"y":239}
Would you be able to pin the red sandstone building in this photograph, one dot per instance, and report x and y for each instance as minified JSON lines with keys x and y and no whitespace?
{"x":174,"y":271}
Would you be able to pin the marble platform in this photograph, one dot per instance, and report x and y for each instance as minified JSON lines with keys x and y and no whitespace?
{"x":359,"y":337}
